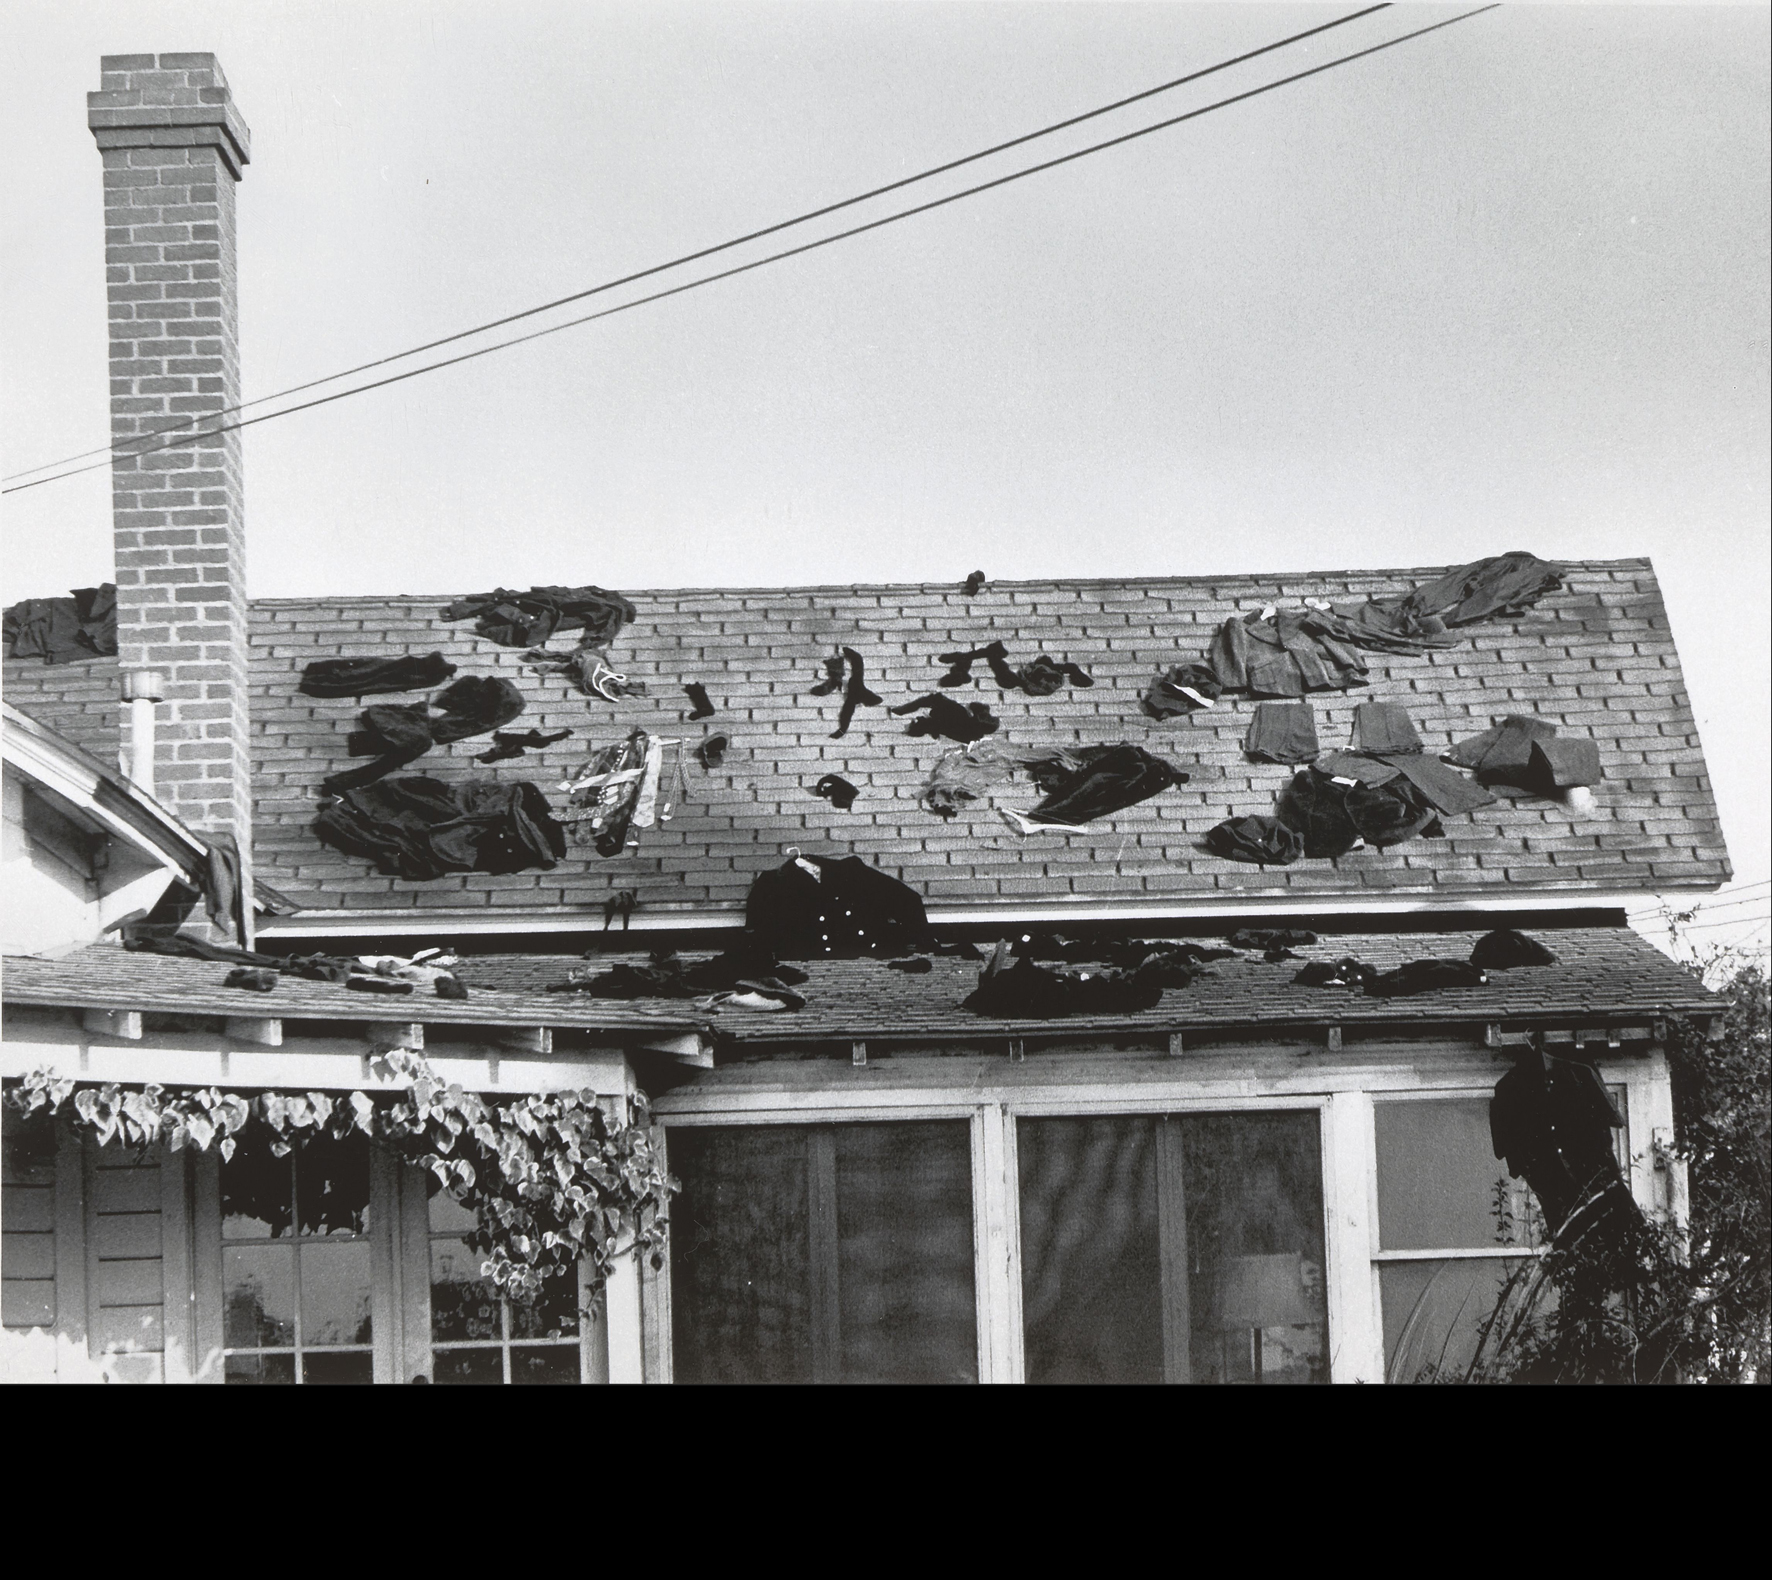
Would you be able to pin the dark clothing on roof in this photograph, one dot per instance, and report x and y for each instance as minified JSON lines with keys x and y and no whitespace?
{"x":514,"y":619}
{"x":418,"y":828}
{"x":1179,"y":691}
{"x":1025,"y":991}
{"x":1504,"y":949}
{"x":1333,"y":818}
{"x":973,"y":584}
{"x":698,"y":695}
{"x":61,"y":630}
{"x":397,"y":733}
{"x":1564,"y":763}
{"x":946,"y":718}
{"x":1502,"y":755}
{"x":837,"y":790}
{"x":507,"y":744}
{"x":667,"y":976}
{"x":712,"y":752}
{"x":1440,"y":787}
{"x":368,"y":677}
{"x":1281,"y":732}
{"x":1039,"y":677}
{"x":1384,"y":727}
{"x":1345,"y":972}
{"x":224,"y":888}
{"x":1262,"y":841}
{"x":1109,"y":779}
{"x":850,"y":909}
{"x":1425,"y":976}
{"x":1293,"y":653}
{"x":1270,"y":937}
{"x":255,"y":979}
{"x":855,"y":690}
{"x":1487,"y":589}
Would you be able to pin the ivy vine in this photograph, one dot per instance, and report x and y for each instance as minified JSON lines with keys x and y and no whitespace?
{"x":551,"y":1177}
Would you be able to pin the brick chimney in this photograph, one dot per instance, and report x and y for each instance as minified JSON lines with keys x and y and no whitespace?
{"x":173,"y":146}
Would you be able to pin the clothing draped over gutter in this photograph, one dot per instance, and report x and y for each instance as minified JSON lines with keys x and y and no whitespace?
{"x":514,"y":619}
{"x":418,"y":828}
{"x":62,"y":630}
{"x":368,"y":677}
{"x":224,"y":887}
{"x":818,"y":906}
{"x":396,"y":734}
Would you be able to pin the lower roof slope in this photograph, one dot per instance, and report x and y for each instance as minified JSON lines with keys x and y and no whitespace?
{"x":1597,"y":658}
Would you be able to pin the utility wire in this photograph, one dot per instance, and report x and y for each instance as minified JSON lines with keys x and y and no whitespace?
{"x":738,"y":241}
{"x":777,"y":257}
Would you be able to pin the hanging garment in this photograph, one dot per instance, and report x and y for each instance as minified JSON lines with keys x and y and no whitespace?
{"x":368,"y":677}
{"x":224,"y":888}
{"x":1384,"y":727}
{"x":837,"y":790}
{"x":1504,"y":949}
{"x":1107,"y":779}
{"x":1335,"y":816}
{"x":1498,"y":587}
{"x":1177,"y":692}
{"x":62,"y":630}
{"x":1425,"y":976}
{"x":698,"y":695}
{"x":1447,"y":792}
{"x":946,"y":718}
{"x":604,"y":795}
{"x":964,"y":775}
{"x":1262,"y":841}
{"x":1039,"y":677}
{"x":507,"y":744}
{"x":855,"y":690}
{"x":1286,"y":654}
{"x":712,"y":752}
{"x":973,"y":585}
{"x":397,"y":733}
{"x":848,"y":909}
{"x":528,"y":619}
{"x":1025,"y":991}
{"x":621,"y":904}
{"x":418,"y":828}
{"x":586,"y":667}
{"x":1282,"y":732}
{"x":1552,"y":1122}
{"x":1345,"y":972}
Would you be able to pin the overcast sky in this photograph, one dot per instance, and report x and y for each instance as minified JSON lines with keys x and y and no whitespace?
{"x":1505,"y":286}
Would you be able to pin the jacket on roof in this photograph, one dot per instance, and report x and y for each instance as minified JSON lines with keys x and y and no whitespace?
{"x":849,"y":909}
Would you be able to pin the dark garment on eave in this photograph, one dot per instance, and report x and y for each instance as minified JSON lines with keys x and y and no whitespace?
{"x":1293,"y":653}
{"x":1442,"y":789}
{"x":1270,"y":937}
{"x":398,"y":733}
{"x":224,"y":889}
{"x":255,"y":979}
{"x":1554,"y":1129}
{"x":62,"y":630}
{"x":1504,"y":949}
{"x":1262,"y":841}
{"x":1487,"y":589}
{"x":1333,"y":818}
{"x":507,"y":744}
{"x":419,"y":828}
{"x":1384,"y":727}
{"x":1345,"y":972}
{"x":850,"y":909}
{"x":1424,"y":976}
{"x":368,"y":677}
{"x":946,"y":718}
{"x":1025,"y":991}
{"x":1281,"y":732}
{"x":515,"y":619}
{"x":1177,"y":692}
{"x":1109,"y":779}
{"x":668,"y":976}
{"x":837,"y":790}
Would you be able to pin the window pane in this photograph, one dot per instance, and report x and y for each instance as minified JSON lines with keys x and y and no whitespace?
{"x":323,"y":1368}
{"x":741,"y":1303}
{"x":258,"y":1302}
{"x":332,"y":1185}
{"x":1091,"y":1287}
{"x":468,"y":1366}
{"x":823,"y":1253}
{"x":905,"y":1253}
{"x":257,"y":1193}
{"x":545,"y":1364}
{"x":1188,"y":1249}
{"x":259,"y":1369}
{"x":462,"y":1307}
{"x":1433,"y":1312}
{"x":335,"y":1294}
{"x":1440,"y":1185}
{"x":553,"y":1316}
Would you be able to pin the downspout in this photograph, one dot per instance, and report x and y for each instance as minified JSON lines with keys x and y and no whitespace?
{"x":142,"y":689}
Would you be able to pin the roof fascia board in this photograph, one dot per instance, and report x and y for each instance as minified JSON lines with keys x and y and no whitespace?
{"x":479,"y":920}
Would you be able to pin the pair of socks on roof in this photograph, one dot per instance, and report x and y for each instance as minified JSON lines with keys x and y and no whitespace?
{"x":1039,"y":677}
{"x":846,"y":661}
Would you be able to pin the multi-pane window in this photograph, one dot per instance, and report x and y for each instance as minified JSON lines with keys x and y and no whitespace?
{"x":824,"y":1253}
{"x":1453,"y":1228}
{"x":1179,"y":1249}
{"x":479,"y":1337}
{"x":296,"y":1265}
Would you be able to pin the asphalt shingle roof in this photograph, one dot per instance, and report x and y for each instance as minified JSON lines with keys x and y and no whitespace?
{"x":1602,"y":975}
{"x":1597,"y":658}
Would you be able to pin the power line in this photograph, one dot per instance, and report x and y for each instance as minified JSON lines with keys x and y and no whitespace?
{"x":791,"y":252}
{"x":737,"y":241}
